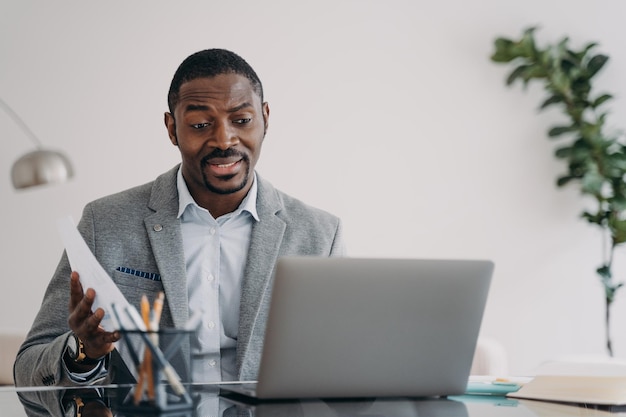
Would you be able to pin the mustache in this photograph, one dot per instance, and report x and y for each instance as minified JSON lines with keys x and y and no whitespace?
{"x":221,"y":153}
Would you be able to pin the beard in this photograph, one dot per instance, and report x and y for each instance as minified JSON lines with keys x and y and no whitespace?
{"x":218,"y":153}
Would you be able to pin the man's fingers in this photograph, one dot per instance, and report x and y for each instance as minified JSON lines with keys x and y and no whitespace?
{"x":76,"y":290}
{"x":81,"y":317}
{"x":83,"y":308}
{"x":92,"y":324}
{"x":109,"y":337}
{"x":85,"y":323}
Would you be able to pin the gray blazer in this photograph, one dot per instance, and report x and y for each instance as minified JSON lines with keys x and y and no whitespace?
{"x":138,"y":229}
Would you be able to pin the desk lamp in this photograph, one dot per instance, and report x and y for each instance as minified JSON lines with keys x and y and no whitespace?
{"x":38,"y":167}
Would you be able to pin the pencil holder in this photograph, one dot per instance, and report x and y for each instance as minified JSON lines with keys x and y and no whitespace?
{"x":161,"y":362}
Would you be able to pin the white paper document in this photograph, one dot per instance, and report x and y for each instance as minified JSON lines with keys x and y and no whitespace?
{"x":118,"y":312}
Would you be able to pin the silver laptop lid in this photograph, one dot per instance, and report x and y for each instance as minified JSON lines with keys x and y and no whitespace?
{"x":351,"y":327}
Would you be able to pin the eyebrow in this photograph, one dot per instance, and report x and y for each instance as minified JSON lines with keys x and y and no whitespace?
{"x":202,"y":107}
{"x":195,"y":107}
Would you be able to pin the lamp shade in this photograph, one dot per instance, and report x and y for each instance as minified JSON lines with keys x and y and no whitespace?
{"x":40,"y":167}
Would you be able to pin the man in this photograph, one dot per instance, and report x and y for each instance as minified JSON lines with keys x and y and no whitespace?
{"x":207,"y":233}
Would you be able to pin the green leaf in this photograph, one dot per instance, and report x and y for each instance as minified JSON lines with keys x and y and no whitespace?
{"x":595,"y":64}
{"x":530,"y":30}
{"x":610,"y":291}
{"x":516,"y":73}
{"x":577,"y":153}
{"x":545,"y":58}
{"x":569,"y":64}
{"x":585,"y":50}
{"x":603,"y":98}
{"x":561,"y":82}
{"x":578,"y":168}
{"x":503,"y":44}
{"x":528,"y":43}
{"x":590,"y":131}
{"x":503,"y":50}
{"x":561,"y":181}
{"x":618,"y":230}
{"x":564,"y":152}
{"x":604,"y":271}
{"x":534,"y":71}
{"x":582,"y":147}
{"x":551,"y":100}
{"x":618,"y":203}
{"x":614,"y":166}
{"x":580,"y":87}
{"x":560,"y":130}
{"x":561,"y":47}
{"x":592,"y":183}
{"x":597,"y":218}
{"x":501,"y":57}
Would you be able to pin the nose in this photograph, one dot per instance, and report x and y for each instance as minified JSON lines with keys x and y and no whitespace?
{"x":224,"y":135}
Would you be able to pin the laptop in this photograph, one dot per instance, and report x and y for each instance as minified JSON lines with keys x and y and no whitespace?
{"x":364,"y":327}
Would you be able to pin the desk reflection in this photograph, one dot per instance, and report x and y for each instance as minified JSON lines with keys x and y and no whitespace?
{"x":382,"y":407}
{"x":104,"y":402}
{"x":92,"y":402}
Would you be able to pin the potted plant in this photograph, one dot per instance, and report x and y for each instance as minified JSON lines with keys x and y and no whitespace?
{"x":595,"y":159}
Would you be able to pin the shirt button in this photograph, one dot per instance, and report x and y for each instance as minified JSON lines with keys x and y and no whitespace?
{"x":211,"y":278}
{"x":157,"y":227}
{"x":212,"y":231}
{"x":212,"y":363}
{"x":211,"y":324}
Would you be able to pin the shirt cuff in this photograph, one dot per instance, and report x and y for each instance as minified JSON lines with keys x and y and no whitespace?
{"x":100,"y":371}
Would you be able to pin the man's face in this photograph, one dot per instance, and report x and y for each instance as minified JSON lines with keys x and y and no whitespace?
{"x":218,"y":125}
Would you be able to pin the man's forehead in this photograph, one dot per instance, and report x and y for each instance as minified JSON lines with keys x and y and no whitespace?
{"x":222,"y":86}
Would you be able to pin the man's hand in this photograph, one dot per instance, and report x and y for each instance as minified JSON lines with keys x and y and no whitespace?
{"x":86,"y":324}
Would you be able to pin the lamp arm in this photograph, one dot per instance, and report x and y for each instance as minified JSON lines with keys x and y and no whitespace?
{"x":20,"y":123}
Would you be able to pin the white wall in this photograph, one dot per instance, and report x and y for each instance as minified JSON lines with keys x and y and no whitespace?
{"x":387,"y":113}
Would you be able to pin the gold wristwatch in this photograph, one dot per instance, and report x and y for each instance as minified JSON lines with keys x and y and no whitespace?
{"x":76,"y":408}
{"x":76,"y":351}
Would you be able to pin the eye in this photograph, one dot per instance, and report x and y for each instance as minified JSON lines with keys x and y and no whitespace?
{"x":200,"y":125}
{"x":242,"y":121}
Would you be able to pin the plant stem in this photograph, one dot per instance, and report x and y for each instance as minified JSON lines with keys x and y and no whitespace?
{"x":609,"y":345}
{"x":608,"y":287}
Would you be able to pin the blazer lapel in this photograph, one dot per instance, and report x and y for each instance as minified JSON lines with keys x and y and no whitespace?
{"x":163,"y":228}
{"x":267,"y":235}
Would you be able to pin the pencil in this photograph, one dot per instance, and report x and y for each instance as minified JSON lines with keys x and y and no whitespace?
{"x":157,"y":308}
{"x":144,"y":368}
{"x":155,"y":318}
{"x":145,"y":309}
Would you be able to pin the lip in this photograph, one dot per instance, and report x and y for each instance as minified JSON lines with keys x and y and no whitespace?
{"x":225,"y":166}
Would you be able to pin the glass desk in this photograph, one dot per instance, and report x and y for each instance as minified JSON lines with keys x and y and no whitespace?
{"x":102,"y":401}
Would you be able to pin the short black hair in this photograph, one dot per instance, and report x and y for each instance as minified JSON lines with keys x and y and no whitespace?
{"x":209,"y":63}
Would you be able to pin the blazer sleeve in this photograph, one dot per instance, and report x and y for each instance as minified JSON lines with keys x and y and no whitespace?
{"x":39,"y":359}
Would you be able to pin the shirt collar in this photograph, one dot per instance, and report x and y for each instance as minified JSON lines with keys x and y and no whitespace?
{"x":185,"y":199}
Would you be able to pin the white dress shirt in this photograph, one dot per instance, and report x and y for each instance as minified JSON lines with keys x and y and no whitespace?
{"x":215,"y":256}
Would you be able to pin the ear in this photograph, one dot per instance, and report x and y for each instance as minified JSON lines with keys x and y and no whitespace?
{"x":266,"y":117}
{"x":170,"y":124}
